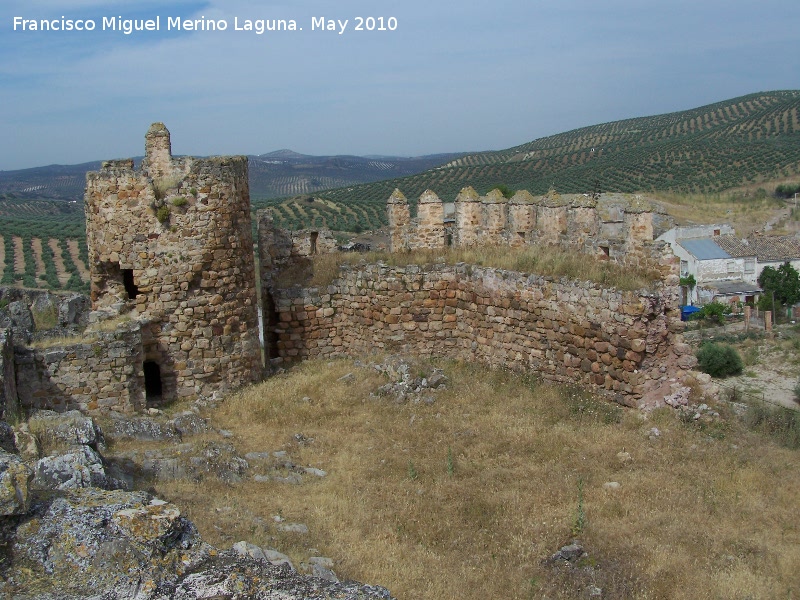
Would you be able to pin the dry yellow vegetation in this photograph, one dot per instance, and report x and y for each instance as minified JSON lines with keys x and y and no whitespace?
{"x":468,"y":496}
{"x":546,"y":261}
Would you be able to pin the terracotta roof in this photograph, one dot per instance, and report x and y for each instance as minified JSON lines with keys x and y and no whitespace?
{"x":764,"y":247}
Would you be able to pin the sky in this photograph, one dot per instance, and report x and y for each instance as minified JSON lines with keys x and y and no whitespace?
{"x":440,"y":77}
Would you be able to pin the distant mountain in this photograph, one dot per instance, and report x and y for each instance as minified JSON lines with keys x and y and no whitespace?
{"x":746,"y":140}
{"x":275,"y":174}
{"x":287,"y":173}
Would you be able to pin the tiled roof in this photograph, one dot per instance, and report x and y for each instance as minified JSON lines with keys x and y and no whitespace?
{"x":764,"y":247}
{"x":704,"y":248}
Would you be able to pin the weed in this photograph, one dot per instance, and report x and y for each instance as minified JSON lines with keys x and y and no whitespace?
{"x":179,"y":201}
{"x":782,"y":424}
{"x":579,"y":522}
{"x":163,"y":184}
{"x":451,"y":467}
{"x":412,"y":471}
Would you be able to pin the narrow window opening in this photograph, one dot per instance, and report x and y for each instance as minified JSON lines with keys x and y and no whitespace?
{"x":605,"y":252}
{"x":314,"y":236}
{"x":130,"y":284}
{"x":521,"y":235}
{"x":152,"y":381}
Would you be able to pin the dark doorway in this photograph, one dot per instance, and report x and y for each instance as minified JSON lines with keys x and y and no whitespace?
{"x":314,"y":237}
{"x":130,"y":284}
{"x":271,"y":321}
{"x":152,"y":381}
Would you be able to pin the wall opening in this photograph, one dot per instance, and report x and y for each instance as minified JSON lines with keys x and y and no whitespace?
{"x":130,"y":284}
{"x":271,"y":321}
{"x":314,"y":236}
{"x":605,"y":252}
{"x":153,"y":386}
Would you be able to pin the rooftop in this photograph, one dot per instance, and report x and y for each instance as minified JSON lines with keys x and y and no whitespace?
{"x":704,"y":248}
{"x":765,"y":248}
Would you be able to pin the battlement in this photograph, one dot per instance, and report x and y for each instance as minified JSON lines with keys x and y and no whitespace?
{"x":618,"y":227}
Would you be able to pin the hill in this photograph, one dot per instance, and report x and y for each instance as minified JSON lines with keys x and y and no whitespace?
{"x":747,"y":142}
{"x":275,"y":174}
{"x":738,"y":142}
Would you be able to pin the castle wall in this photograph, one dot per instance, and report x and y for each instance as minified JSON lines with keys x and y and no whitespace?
{"x":495,"y":215}
{"x":521,"y":218}
{"x":429,"y":230}
{"x":468,"y":218}
{"x":551,"y":225}
{"x":172,"y":243}
{"x":399,"y":217}
{"x":617,"y":227}
{"x":99,"y":375}
{"x":565,"y":332}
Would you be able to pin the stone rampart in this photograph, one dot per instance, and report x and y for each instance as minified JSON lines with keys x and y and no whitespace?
{"x":568,"y":332}
{"x":100,"y":374}
{"x":617,"y":227}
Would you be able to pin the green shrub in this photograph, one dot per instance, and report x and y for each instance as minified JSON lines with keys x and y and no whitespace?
{"x":719,"y":360}
{"x":179,"y":201}
{"x":162,"y":214}
{"x":713,"y":312}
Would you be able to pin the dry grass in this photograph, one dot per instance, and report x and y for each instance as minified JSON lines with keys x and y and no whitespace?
{"x":60,"y":341}
{"x":90,"y":335}
{"x":704,"y":511}
{"x":540,"y":260}
{"x":744,"y":211}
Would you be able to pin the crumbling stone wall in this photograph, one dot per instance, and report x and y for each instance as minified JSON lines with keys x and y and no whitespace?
{"x":570,"y":332}
{"x":101,"y":374}
{"x":172,"y":242}
{"x":618,"y":227}
{"x":279,"y":249}
{"x":8,"y":384}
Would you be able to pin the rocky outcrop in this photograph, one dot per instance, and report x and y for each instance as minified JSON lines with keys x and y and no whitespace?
{"x":15,"y":478}
{"x":62,"y":537}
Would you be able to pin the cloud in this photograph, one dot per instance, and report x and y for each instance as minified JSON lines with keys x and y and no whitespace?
{"x":450,"y":78}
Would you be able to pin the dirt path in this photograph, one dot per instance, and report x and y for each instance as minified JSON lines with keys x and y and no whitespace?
{"x":19,"y":255}
{"x":58,"y":259}
{"x":74,"y":252}
{"x":36,"y":245}
{"x":775,"y":384}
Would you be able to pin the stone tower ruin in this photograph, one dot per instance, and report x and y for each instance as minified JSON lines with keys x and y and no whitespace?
{"x":170,"y":243}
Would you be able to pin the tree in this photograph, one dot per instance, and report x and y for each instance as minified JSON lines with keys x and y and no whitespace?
{"x":783,"y":282}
